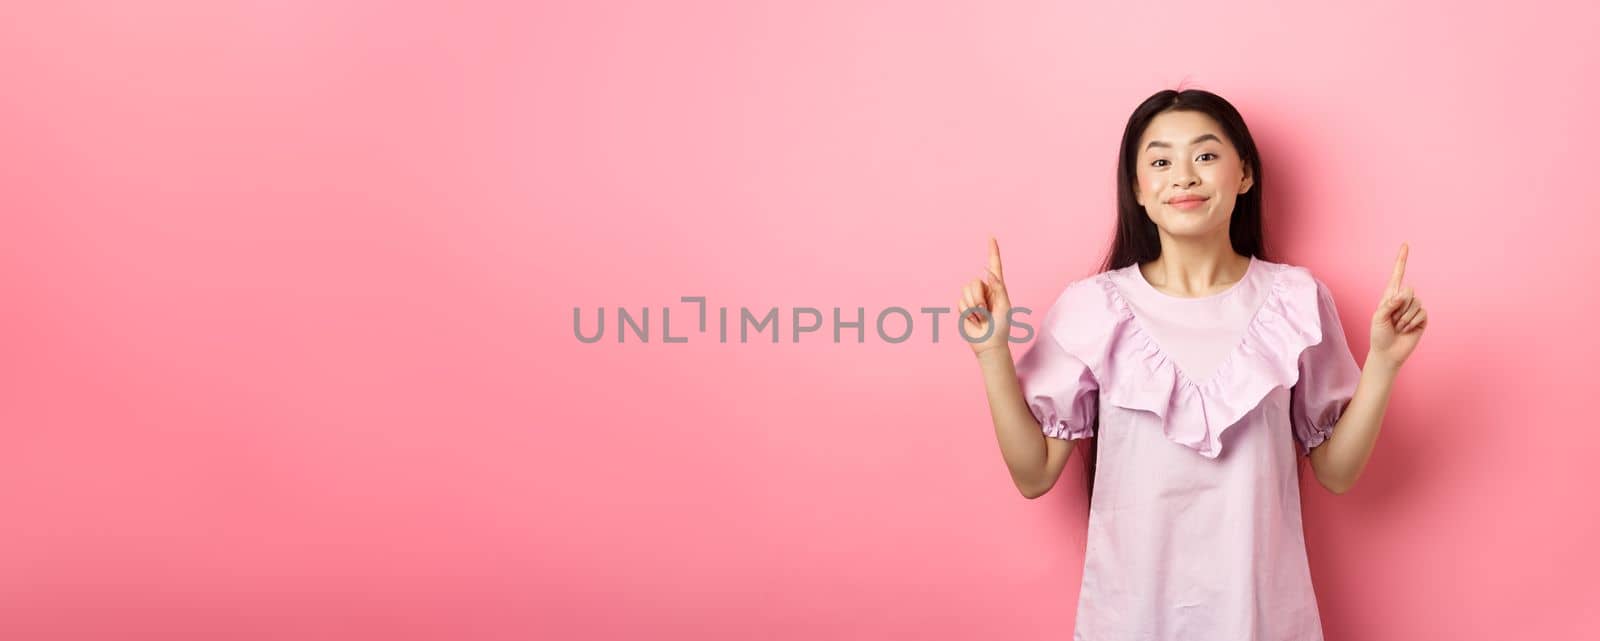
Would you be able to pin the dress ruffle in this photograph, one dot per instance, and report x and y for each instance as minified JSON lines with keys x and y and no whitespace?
{"x":1098,"y":327}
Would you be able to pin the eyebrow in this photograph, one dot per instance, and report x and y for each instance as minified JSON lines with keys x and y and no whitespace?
{"x":1196,"y":141}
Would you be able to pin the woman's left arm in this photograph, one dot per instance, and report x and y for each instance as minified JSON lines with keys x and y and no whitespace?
{"x":1397,"y":326}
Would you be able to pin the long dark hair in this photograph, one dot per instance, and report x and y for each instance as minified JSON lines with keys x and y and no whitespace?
{"x":1137,"y":240}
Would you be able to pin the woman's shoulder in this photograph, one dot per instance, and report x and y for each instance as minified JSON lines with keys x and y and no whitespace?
{"x":1086,"y":313}
{"x":1084,"y":294}
{"x":1303,"y":271}
{"x":1295,"y":281}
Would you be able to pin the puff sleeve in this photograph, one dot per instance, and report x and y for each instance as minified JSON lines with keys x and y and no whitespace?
{"x":1060,"y":389}
{"x":1327,"y":382}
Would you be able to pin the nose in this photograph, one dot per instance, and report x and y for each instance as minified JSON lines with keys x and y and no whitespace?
{"x":1184,"y":179}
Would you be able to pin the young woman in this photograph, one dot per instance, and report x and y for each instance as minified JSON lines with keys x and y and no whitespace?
{"x":1201,"y":371}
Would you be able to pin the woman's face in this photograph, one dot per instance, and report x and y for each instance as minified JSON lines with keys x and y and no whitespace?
{"x":1189,"y":174}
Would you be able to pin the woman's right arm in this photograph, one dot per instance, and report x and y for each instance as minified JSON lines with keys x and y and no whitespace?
{"x":1035,"y":460}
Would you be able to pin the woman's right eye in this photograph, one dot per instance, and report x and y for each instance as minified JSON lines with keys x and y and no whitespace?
{"x":1153,"y":162}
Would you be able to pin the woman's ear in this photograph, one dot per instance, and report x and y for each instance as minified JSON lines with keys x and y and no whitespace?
{"x":1247,"y":182}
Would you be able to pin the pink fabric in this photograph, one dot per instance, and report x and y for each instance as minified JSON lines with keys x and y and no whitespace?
{"x":1200,"y":407}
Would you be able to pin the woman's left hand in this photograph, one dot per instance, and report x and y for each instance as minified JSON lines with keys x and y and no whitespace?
{"x":1398,"y":324}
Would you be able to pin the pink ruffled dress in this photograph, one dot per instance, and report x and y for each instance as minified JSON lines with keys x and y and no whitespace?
{"x":1200,"y":408}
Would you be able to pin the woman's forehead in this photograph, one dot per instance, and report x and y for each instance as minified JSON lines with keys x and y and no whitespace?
{"x":1179,"y":128}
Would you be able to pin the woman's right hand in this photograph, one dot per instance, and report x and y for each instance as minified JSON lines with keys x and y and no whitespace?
{"x":988,"y":292}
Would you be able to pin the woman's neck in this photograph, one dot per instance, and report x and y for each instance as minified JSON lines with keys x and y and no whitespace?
{"x":1190,"y":270}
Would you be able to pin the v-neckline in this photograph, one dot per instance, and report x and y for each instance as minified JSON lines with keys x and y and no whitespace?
{"x":1138,"y":324}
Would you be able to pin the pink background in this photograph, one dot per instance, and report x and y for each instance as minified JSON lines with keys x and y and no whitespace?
{"x":288,"y":347}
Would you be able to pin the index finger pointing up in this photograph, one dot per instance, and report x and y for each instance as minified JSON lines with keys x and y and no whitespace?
{"x":1399,"y":268}
{"x":994,"y":257}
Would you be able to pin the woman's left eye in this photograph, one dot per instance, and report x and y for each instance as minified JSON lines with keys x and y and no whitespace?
{"x":1202,"y":156}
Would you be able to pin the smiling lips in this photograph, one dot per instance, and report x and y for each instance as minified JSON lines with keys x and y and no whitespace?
{"x":1187,"y":202}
